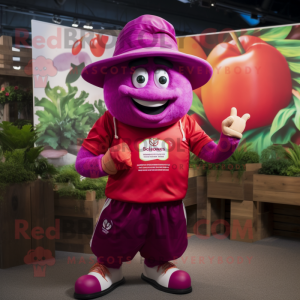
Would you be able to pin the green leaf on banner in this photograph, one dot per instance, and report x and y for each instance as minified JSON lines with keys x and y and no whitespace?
{"x":297,"y":116}
{"x":268,"y":34}
{"x":259,"y":138}
{"x":74,"y":73}
{"x":276,"y":33}
{"x":294,"y":66}
{"x":288,"y":48}
{"x":282,"y":128}
{"x":55,"y":94}
{"x":198,"y":108}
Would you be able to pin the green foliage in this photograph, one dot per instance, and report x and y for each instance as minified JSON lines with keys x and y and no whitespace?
{"x":273,"y":152}
{"x":292,"y":171}
{"x":21,"y":162}
{"x":195,"y":161}
{"x":64,"y":118}
{"x":280,"y":161}
{"x":69,"y":174}
{"x":100,"y":106}
{"x":236,"y":163}
{"x":15,"y":94}
{"x":244,"y":155}
{"x":275,"y":166}
{"x":21,"y":122}
{"x":294,"y":155}
{"x":72,"y":193}
{"x":97,"y":184}
{"x":12,"y":137}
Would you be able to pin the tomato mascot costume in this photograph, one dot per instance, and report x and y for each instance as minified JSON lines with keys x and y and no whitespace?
{"x":143,"y":143}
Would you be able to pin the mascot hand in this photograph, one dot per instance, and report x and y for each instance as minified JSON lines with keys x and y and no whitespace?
{"x":234,"y":125}
{"x":117,"y":158}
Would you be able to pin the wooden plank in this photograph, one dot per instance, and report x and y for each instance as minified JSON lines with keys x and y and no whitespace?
{"x":70,"y":247}
{"x":226,"y":186}
{"x":289,"y":210}
{"x":13,"y":63}
{"x":27,"y":53}
{"x":191,"y":195}
{"x":241,"y":209}
{"x":81,"y":239}
{"x":253,"y":167}
{"x":42,"y":214}
{"x":15,"y":206}
{"x":194,"y":172}
{"x":276,"y":183}
{"x":12,"y":72}
{"x":75,"y":225}
{"x":286,"y":227}
{"x":73,"y":207}
{"x":276,"y":197}
{"x":294,"y":235}
{"x":286,"y":219}
{"x":217,"y":214}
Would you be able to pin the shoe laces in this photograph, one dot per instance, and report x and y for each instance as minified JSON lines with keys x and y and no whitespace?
{"x":166,"y":266}
{"x":100,"y":269}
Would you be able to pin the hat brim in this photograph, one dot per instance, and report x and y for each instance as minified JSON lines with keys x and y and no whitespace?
{"x":198,"y":69}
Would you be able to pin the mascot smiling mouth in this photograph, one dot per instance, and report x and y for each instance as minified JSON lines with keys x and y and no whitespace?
{"x":150,"y":107}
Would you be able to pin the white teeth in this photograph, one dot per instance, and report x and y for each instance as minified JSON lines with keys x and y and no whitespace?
{"x":150,"y":103}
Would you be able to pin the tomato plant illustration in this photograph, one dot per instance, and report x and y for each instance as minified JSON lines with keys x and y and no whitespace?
{"x":97,"y":45}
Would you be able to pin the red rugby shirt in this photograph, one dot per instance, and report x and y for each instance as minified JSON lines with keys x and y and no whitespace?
{"x":160,"y":158}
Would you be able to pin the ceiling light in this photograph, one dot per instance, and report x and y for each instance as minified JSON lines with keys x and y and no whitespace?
{"x":17,"y":68}
{"x":75,"y":23}
{"x":212,"y":4}
{"x":88,"y":25}
{"x":56,"y":20}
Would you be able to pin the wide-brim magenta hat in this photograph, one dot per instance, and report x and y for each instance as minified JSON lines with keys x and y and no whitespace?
{"x":148,"y":36}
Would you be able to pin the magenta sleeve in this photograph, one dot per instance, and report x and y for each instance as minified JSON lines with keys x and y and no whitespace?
{"x":88,"y":164}
{"x":216,"y":153}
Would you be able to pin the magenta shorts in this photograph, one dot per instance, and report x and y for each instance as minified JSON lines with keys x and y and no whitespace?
{"x":157,"y":230}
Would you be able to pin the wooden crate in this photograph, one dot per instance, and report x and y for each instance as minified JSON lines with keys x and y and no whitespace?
{"x":196,"y":201}
{"x":33,"y":205}
{"x":250,"y":221}
{"x":276,"y":189}
{"x":228,"y":186}
{"x":78,"y":219}
{"x":286,"y":220}
{"x":6,"y":58}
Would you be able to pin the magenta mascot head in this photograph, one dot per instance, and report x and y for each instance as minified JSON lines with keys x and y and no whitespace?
{"x":148,"y":83}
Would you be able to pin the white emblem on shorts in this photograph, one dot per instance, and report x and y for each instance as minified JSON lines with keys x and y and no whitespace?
{"x":106,"y":226}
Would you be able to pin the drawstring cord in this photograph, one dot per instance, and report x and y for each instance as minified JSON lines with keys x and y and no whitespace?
{"x":183,"y":135}
{"x":115,"y":126}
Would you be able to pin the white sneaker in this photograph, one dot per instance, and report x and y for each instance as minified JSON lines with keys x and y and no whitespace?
{"x":99,"y":282}
{"x":168,"y":278}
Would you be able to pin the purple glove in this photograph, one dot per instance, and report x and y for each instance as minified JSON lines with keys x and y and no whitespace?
{"x":88,"y":164}
{"x":216,"y":153}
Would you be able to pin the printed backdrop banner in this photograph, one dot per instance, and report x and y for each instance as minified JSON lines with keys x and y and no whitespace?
{"x":65,"y":106}
{"x":255,"y":70}
{"x":259,"y":75}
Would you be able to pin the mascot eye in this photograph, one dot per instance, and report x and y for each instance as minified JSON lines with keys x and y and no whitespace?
{"x":140,"y":78}
{"x":161,"y":78}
